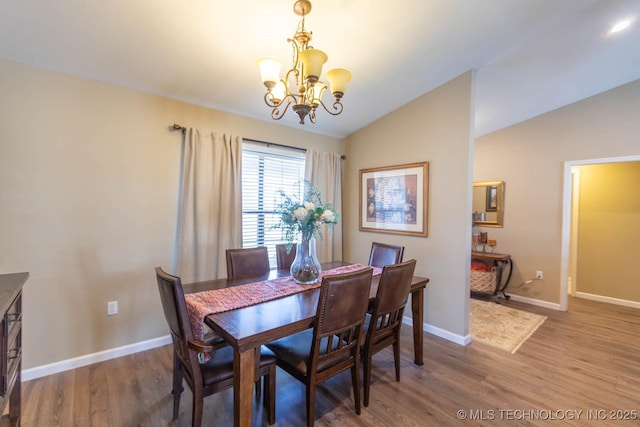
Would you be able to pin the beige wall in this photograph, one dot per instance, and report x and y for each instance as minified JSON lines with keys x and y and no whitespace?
{"x":88,"y":202}
{"x":435,"y":127}
{"x":88,"y":195}
{"x":529,"y":157}
{"x":608,"y":246}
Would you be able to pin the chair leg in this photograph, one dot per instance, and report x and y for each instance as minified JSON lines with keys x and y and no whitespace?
{"x":198,"y":403}
{"x":270,"y":394}
{"x":366,"y":369}
{"x":396,"y":355}
{"x":355,"y":379}
{"x":177,"y":385}
{"x":256,"y":367}
{"x":311,"y":404}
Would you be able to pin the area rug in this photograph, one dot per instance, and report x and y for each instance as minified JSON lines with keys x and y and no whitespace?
{"x":501,"y":327}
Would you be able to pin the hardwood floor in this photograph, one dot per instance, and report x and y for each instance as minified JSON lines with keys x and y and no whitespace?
{"x":586,"y":359}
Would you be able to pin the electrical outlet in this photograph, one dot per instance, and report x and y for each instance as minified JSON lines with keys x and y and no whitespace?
{"x":112,"y":308}
{"x":539,"y":275}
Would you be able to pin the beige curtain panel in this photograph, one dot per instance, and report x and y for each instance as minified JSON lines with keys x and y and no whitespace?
{"x":324,"y":171}
{"x":210,"y":215}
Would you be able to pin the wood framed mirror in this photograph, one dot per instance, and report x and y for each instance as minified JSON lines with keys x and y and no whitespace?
{"x":488,"y":204}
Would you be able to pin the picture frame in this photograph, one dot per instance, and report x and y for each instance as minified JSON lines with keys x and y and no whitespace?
{"x":394,"y":199}
{"x":492,"y":198}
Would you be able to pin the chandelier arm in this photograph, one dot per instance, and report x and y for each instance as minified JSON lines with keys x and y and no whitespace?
{"x":276,"y":114}
{"x":287,"y":80}
{"x":268,"y":99}
{"x":296,"y":53}
{"x":296,"y":66}
{"x":337,"y":107}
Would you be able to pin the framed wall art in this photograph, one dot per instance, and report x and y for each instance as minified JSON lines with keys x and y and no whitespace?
{"x":492,"y":198}
{"x":394,"y":199}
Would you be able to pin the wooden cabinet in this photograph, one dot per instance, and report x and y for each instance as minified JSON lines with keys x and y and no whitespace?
{"x":11,"y":345}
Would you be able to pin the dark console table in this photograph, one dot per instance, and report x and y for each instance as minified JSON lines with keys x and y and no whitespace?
{"x":498,"y":261}
{"x":11,"y":345}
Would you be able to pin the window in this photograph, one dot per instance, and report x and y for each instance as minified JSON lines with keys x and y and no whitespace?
{"x":265,"y":171}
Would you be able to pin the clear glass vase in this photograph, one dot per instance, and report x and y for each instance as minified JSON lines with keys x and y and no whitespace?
{"x":305,"y":268}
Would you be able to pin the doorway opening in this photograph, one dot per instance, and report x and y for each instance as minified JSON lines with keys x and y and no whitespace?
{"x":569,"y":223}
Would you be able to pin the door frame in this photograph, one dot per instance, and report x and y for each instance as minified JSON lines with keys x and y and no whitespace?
{"x":567,"y":197}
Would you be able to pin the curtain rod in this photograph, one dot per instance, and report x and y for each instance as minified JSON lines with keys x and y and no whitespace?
{"x":304,"y":150}
{"x":178,"y":127}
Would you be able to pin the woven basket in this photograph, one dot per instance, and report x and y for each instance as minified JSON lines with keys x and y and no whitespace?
{"x":483,"y":281}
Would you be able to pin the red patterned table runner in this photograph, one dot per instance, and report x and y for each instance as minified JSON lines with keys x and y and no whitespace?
{"x":201,"y":304}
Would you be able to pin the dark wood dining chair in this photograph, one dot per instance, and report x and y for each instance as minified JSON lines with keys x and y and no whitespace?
{"x":285,"y":259}
{"x":247,"y":262}
{"x":214,"y":375}
{"x":384,"y":254}
{"x":333,"y":345}
{"x":383,"y":324}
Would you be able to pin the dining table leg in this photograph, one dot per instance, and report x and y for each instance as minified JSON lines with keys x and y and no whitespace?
{"x":243,"y":382}
{"x":417,"y":313}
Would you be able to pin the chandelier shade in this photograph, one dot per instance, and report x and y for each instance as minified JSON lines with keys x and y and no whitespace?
{"x":270,"y":71}
{"x":338,"y":79}
{"x":301,"y":88}
{"x":312,"y":62}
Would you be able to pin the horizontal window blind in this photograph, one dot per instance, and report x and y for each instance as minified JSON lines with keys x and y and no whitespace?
{"x":265,"y":171}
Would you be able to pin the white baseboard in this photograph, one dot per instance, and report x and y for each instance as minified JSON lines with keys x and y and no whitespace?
{"x":442,"y":333}
{"x":538,"y":302}
{"x":89,"y":359}
{"x":610,"y":300}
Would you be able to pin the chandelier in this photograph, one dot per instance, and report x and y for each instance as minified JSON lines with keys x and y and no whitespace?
{"x":301,"y":87}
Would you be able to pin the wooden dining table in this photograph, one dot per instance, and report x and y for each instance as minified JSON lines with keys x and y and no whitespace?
{"x":247,"y":328}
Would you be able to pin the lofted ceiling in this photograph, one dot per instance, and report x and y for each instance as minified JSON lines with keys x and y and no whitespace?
{"x":531,"y":56}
